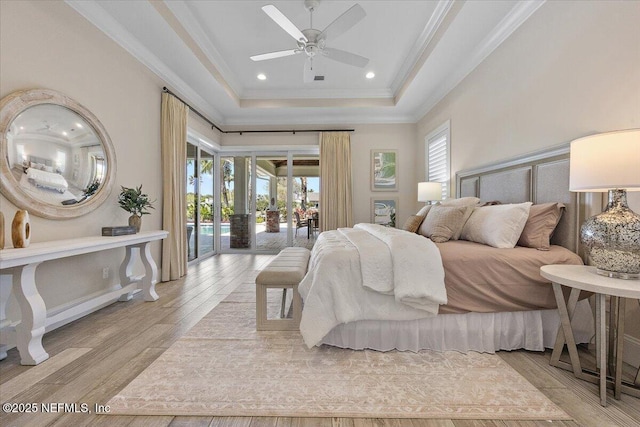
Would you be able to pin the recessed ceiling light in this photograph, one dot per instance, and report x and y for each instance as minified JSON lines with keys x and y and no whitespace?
{"x":370,"y":75}
{"x":262,"y":77}
{"x":64,"y":133}
{"x":78,"y":125}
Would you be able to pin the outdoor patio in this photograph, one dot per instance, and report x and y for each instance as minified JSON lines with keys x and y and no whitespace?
{"x":264,"y":241}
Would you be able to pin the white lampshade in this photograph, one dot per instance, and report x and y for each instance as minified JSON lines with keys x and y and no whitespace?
{"x":429,"y":191}
{"x":606,"y":161}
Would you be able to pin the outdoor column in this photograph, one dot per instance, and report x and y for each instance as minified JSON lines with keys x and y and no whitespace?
{"x":239,"y":221}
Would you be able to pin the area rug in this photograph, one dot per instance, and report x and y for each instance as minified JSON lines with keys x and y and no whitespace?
{"x":223,"y":367}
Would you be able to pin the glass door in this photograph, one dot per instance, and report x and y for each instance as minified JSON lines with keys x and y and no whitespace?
{"x":199,"y":203}
{"x":236,"y":216}
{"x":206,"y":230}
{"x":271,"y":227}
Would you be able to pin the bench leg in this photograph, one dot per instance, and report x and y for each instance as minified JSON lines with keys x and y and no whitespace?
{"x":284,"y":303}
{"x":283,"y":324}
{"x":297,"y":307}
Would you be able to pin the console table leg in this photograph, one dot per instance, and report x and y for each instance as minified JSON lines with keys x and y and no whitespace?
{"x":33,"y":312}
{"x":126,"y":271}
{"x":151,"y":273}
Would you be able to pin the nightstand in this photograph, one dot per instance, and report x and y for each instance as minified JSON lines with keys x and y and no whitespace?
{"x":584,"y":278}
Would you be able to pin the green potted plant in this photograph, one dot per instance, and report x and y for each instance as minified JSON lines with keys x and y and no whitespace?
{"x":134,"y":201}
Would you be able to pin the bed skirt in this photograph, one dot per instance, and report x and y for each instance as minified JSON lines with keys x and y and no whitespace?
{"x":481,"y":332}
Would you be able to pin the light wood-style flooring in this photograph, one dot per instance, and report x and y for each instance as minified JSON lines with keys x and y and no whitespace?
{"x":96,"y":356}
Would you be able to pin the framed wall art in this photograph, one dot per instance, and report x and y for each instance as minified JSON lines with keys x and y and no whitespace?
{"x":383,"y":170}
{"x":383,"y":211}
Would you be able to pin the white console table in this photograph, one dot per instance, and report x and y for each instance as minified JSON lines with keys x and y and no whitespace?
{"x":22,"y":264}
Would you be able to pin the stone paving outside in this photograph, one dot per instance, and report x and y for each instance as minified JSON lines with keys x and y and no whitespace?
{"x":267,"y":241}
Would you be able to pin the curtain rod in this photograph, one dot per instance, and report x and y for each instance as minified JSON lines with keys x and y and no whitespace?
{"x":240,"y":132}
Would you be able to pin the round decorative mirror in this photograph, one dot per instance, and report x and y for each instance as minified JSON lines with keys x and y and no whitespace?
{"x":57,"y":160}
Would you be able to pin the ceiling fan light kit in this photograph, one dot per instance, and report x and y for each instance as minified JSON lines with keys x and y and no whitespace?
{"x":312,"y":41}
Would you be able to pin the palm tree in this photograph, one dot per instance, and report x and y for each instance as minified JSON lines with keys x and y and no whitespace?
{"x":227,"y":177}
{"x":303,"y":191}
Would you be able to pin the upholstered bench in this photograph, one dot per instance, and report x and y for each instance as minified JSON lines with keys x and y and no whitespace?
{"x":285,"y":271}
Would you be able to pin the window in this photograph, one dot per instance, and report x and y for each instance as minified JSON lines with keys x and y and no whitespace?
{"x":437,"y":151}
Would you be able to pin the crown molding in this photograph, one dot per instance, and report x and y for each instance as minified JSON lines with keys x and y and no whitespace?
{"x":516,"y":17}
{"x":420,"y":46}
{"x":313,"y":118}
{"x":101,"y":19}
{"x":318,"y":103}
{"x":316,"y":93}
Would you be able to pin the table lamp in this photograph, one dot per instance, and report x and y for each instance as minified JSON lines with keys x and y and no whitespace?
{"x":610,"y":162}
{"x":429,"y":191}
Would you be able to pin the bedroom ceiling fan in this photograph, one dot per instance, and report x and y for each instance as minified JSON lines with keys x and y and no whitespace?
{"x":313,"y":42}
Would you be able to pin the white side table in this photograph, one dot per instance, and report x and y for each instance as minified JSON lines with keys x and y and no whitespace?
{"x":584,"y":278}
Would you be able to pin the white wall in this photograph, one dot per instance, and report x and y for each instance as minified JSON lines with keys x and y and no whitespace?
{"x":49,"y":45}
{"x":571,"y":70}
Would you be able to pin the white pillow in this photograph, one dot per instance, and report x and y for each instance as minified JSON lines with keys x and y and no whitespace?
{"x":48,"y":168}
{"x":499,"y":226}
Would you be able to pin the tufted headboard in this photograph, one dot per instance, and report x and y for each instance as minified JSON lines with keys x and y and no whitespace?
{"x":538,"y":177}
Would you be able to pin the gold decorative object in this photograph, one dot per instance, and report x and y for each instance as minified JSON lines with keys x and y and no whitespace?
{"x":21,"y":229}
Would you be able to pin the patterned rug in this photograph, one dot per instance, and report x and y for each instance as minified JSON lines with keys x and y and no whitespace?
{"x":223,"y":367}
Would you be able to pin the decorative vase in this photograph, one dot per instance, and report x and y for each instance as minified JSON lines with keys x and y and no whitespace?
{"x":613,"y":238}
{"x":135,"y":221}
{"x":21,"y":230}
{"x":1,"y":230}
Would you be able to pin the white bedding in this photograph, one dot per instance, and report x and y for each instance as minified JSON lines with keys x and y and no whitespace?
{"x":48,"y":180}
{"x":53,"y":197}
{"x":339,"y":288}
{"x":482,"y":332}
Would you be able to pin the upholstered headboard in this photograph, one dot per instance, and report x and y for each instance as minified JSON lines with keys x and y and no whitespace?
{"x":538,"y":177}
{"x":41,"y":160}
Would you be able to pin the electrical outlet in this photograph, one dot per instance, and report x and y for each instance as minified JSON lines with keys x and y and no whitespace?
{"x":105,"y":273}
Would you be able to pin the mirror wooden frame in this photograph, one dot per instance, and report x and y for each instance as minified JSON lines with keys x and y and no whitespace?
{"x":14,"y":104}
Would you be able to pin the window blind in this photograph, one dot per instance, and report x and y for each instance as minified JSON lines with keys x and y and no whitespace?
{"x":438,"y":160}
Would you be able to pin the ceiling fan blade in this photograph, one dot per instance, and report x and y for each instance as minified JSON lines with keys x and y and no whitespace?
{"x":343,"y":22}
{"x":284,"y":22}
{"x":308,"y":74}
{"x":345,"y":57}
{"x":272,"y":55}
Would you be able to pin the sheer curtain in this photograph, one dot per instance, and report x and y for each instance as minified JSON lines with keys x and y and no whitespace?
{"x":335,"y":181}
{"x":174,"y":159}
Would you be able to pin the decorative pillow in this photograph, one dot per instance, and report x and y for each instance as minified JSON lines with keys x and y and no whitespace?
{"x":48,"y":169}
{"x":412,"y":224}
{"x":424,"y":211}
{"x":463,"y":201}
{"x":499,"y":226}
{"x":542,"y":221}
{"x":442,"y":222}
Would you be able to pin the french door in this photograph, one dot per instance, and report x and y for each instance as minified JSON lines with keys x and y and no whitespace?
{"x":201,"y":230}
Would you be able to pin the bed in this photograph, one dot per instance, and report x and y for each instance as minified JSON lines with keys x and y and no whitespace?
{"x":44,"y":182}
{"x":47,"y":179}
{"x":495,"y":298}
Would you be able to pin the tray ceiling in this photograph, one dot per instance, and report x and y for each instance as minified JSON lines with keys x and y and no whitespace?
{"x":418,"y":50}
